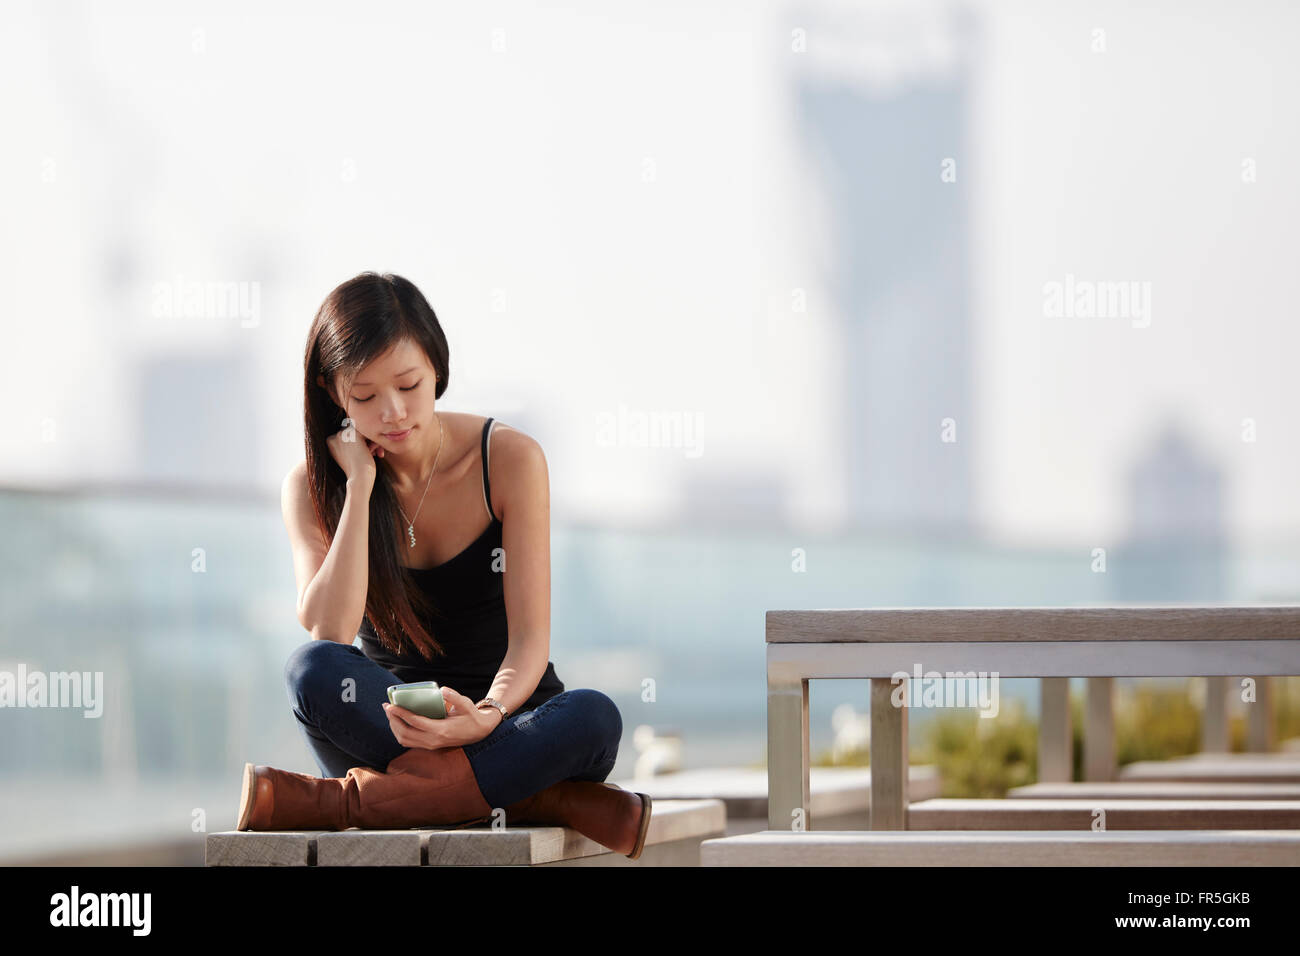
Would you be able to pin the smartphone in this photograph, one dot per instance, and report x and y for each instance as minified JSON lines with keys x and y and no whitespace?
{"x":423,"y":698}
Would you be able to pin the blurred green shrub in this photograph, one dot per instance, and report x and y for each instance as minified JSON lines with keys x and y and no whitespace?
{"x":1152,"y":722}
{"x":985,"y":757}
{"x":981,"y":757}
{"x":1286,"y":691}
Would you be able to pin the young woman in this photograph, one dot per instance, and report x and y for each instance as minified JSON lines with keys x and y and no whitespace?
{"x":386,"y":517}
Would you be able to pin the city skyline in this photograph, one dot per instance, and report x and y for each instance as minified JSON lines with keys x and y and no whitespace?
{"x":583,"y":265}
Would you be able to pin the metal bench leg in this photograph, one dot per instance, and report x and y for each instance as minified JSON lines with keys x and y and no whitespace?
{"x":1055,"y":742}
{"x":787,"y":753}
{"x":1214,"y":720}
{"x":888,"y":757}
{"x":1099,"y":730}
{"x":1259,"y":717}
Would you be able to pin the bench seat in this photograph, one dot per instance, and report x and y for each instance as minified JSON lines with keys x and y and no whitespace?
{"x":1120,"y":814}
{"x":1156,"y":790}
{"x":1005,"y":848}
{"x":1217,"y":768}
{"x":677,"y":828}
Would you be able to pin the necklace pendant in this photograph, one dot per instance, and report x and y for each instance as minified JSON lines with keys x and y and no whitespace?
{"x":410,"y":530}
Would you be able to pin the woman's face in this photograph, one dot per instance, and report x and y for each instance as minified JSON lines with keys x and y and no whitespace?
{"x":394,"y":393}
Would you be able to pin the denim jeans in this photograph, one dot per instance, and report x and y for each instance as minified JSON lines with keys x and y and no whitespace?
{"x":572,"y":736}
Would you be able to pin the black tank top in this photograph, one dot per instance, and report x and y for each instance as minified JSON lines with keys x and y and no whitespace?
{"x":470,"y":623}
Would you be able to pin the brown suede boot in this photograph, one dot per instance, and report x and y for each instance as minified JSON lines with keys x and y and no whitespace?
{"x":615,"y":818}
{"x":420,"y":787}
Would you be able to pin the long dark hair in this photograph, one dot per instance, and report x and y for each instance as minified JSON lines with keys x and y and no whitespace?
{"x":359,"y":321}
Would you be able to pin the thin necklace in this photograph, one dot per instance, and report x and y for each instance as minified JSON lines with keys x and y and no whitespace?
{"x":410,"y":525}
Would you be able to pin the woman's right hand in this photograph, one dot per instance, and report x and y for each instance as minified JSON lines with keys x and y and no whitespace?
{"x":354,"y":453}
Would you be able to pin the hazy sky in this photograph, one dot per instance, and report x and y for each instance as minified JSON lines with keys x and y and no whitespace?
{"x":1127,"y":165}
{"x":609,"y":203}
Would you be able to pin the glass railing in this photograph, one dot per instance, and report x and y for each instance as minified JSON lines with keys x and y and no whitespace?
{"x":184,"y":606}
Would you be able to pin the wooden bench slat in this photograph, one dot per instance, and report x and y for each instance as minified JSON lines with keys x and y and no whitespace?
{"x":1079,"y":814}
{"x":1247,"y":759}
{"x":1005,"y":848}
{"x":1130,"y":623}
{"x":1156,"y":790}
{"x":1212,"y":771}
{"x":274,"y":848}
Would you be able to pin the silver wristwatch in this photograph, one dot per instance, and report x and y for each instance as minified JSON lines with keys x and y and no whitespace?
{"x":495,"y":703}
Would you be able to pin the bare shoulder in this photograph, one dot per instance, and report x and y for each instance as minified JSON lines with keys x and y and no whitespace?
{"x":295,"y":480}
{"x":516,"y":468}
{"x":295,"y":497}
{"x":510,"y":443}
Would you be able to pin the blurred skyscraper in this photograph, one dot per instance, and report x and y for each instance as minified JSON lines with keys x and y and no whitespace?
{"x":729,"y":500}
{"x":198,"y":419}
{"x":882,"y":96}
{"x":1176,"y":546}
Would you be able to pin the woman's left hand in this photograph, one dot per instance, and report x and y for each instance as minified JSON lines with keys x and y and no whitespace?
{"x":464,"y":723}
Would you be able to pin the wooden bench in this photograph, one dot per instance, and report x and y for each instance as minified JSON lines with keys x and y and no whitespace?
{"x":1217,"y":768}
{"x":840,"y":796}
{"x":1005,"y":848}
{"x":1156,"y":790}
{"x":677,"y":827}
{"x":1049,"y":643}
{"x":1123,"y":814}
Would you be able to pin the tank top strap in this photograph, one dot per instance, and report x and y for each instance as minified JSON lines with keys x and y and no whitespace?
{"x":487,"y":485}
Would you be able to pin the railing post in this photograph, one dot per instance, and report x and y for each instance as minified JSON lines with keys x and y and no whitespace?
{"x":1214,"y":718}
{"x":889,"y":767}
{"x":1259,"y":717}
{"x":787,"y":752}
{"x":1055,"y":741}
{"x":1099,"y":730}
